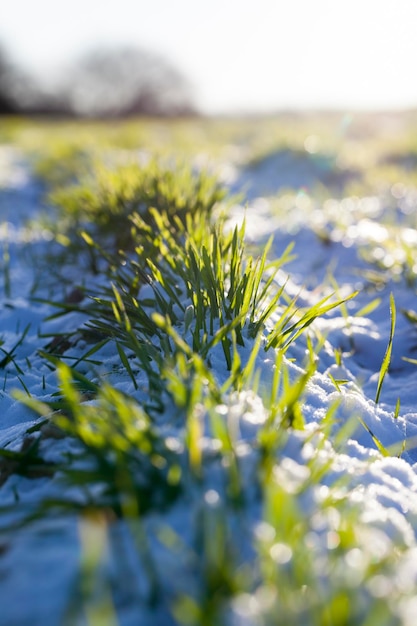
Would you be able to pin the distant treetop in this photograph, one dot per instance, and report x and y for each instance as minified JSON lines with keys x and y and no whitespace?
{"x":105,"y":82}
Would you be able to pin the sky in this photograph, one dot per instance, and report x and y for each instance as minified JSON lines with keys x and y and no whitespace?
{"x":238,"y":55}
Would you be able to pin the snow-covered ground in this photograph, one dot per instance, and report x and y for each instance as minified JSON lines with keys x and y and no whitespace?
{"x":40,"y":563}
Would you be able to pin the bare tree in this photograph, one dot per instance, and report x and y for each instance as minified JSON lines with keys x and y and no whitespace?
{"x":125,"y":81}
{"x":19,"y":90}
{"x":7,"y":102}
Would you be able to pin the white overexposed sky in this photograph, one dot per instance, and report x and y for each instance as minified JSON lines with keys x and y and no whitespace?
{"x":239,"y":55}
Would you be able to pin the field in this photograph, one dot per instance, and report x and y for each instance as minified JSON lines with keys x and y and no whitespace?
{"x":208,"y":371}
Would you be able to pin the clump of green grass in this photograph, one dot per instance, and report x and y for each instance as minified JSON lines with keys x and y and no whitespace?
{"x":63,"y":162}
{"x":197,"y":276}
{"x":105,"y":201}
{"x":119,"y":448}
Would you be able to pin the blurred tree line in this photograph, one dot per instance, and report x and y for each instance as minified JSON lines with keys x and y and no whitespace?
{"x":113,"y":83}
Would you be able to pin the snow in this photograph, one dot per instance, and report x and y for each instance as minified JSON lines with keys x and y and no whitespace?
{"x":41,"y":563}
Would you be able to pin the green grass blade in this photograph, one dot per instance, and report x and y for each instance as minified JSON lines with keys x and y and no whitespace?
{"x":387,"y":357}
